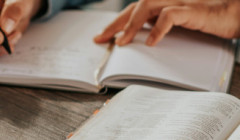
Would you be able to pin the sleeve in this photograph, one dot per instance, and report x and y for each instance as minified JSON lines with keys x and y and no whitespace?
{"x":54,"y":6}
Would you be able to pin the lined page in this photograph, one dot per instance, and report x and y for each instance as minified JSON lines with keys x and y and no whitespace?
{"x":144,"y":113}
{"x":61,"y":48}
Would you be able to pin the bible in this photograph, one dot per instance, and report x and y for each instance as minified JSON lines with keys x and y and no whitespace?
{"x":146,"y":113}
{"x":60,"y":54}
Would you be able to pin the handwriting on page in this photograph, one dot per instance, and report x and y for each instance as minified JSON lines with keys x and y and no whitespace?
{"x":46,"y":60}
{"x":51,"y":50}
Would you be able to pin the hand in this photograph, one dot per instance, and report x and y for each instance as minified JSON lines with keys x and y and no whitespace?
{"x":14,"y":19}
{"x":217,"y":17}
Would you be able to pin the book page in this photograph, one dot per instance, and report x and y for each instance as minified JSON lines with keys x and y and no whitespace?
{"x":60,"y":48}
{"x":144,"y":113}
{"x":183,"y":58}
{"x":236,"y":134}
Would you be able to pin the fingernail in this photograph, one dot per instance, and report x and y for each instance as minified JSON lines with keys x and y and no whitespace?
{"x":150,"y":41}
{"x":8,"y":25}
{"x":16,"y":39}
{"x":98,"y":38}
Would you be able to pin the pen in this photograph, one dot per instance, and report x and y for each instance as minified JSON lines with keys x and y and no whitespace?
{"x":5,"y":43}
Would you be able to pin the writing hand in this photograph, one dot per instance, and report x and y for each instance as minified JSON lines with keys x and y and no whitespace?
{"x":217,"y":17}
{"x":15,"y":17}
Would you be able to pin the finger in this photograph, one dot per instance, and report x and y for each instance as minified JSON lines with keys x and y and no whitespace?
{"x":116,"y":26}
{"x":170,"y":16}
{"x":145,"y":10}
{"x":22,"y":25}
{"x":14,"y":38}
{"x":10,"y":18}
{"x":138,"y":17}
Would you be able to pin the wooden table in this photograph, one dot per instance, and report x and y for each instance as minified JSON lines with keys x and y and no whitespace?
{"x":36,"y":114}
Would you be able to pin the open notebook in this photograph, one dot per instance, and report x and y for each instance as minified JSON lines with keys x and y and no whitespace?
{"x":144,"y":113}
{"x":60,"y":54}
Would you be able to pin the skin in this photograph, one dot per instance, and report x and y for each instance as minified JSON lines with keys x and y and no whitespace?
{"x":217,"y":17}
{"x":15,"y":17}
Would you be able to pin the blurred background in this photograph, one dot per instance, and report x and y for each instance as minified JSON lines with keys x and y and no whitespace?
{"x":111,"y":5}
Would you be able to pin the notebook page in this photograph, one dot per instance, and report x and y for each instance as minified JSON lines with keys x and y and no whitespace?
{"x":182,"y":58}
{"x":144,"y":113}
{"x":61,"y":48}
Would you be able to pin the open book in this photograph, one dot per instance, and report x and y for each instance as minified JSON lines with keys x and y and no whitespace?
{"x":60,"y":54}
{"x":145,"y":113}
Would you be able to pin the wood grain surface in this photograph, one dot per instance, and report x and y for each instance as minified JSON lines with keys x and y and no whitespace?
{"x":37,"y":114}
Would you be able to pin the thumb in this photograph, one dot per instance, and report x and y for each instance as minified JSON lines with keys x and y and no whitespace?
{"x":10,"y":17}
